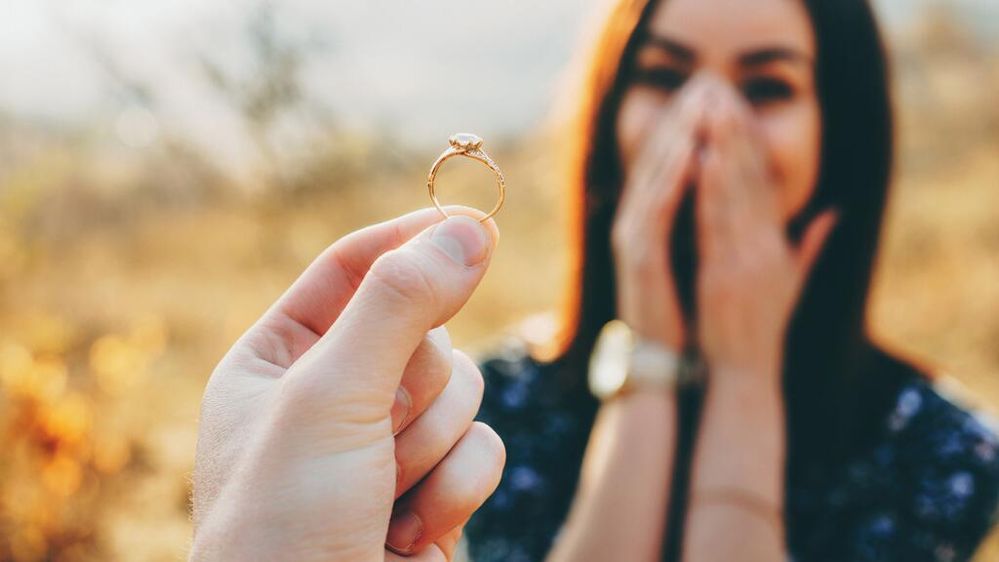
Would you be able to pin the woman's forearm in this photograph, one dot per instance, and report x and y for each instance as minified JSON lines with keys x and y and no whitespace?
{"x":737,"y":485}
{"x":620,"y":506}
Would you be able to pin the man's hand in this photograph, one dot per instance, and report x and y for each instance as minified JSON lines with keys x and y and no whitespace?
{"x":344,"y":407}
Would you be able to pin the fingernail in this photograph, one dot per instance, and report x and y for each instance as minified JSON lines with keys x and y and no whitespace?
{"x":463,"y":239}
{"x":400,"y":408}
{"x":404,"y":531}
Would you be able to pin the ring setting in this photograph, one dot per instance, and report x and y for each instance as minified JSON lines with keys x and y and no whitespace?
{"x":465,"y":141}
{"x":469,"y":146}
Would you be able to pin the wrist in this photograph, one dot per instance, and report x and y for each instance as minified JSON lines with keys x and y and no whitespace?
{"x":751,"y":383}
{"x":624,"y":362}
{"x":750,"y":412}
{"x":751,"y":401}
{"x":650,"y":404}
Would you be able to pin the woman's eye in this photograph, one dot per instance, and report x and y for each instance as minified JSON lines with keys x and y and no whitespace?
{"x":664,"y":78}
{"x":765,"y":90}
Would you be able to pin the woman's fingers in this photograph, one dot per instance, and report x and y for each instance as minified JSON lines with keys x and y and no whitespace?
{"x":749,"y":191}
{"x":662,"y":165}
{"x":680,"y":121}
{"x":655,"y":186}
{"x":641,"y":237}
{"x":710,"y":206}
{"x":814,"y":239}
{"x":425,"y":377}
{"x":721,"y":156}
{"x":736,"y":201}
{"x":449,"y":495}
{"x":431,"y":435}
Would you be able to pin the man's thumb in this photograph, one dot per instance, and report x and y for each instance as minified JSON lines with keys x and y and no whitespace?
{"x":406,"y":292}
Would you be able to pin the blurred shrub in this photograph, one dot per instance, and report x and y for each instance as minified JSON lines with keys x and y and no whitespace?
{"x":63,"y":442}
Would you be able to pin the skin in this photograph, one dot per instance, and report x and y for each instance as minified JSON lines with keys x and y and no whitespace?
{"x":723,"y":102}
{"x":344,"y":409}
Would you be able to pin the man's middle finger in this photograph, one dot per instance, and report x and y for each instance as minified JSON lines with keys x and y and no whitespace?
{"x":430,"y":436}
{"x":426,"y":375}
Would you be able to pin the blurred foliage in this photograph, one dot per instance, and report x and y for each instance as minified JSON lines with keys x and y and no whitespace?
{"x":126,"y":273}
{"x":70,"y":442}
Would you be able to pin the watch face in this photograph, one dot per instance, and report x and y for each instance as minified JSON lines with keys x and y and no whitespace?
{"x":609,"y":360}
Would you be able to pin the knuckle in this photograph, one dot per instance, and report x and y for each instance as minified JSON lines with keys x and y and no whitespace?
{"x":441,"y":339}
{"x":616,"y":234}
{"x":433,"y":359}
{"x":709,"y":286}
{"x":467,"y":367}
{"x":621,"y":233}
{"x":474,"y":485}
{"x":304,"y":398}
{"x":492,"y":443}
{"x":298,"y":393}
{"x":639,"y":260}
{"x":404,"y":275}
{"x":742,"y":267}
{"x":763,"y":259}
{"x":751,"y":266}
{"x":717,"y":285}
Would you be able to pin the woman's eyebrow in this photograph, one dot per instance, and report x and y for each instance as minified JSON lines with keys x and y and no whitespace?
{"x":674,"y":48}
{"x":759,"y":57}
{"x":755,"y":57}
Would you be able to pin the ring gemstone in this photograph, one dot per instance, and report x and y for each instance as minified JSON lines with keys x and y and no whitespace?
{"x":465,"y":141}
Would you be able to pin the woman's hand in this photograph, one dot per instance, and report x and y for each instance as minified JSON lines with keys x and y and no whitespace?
{"x":306,"y":440}
{"x":750,"y":276}
{"x":646,"y":292}
{"x":748,"y":282}
{"x":620,"y":505}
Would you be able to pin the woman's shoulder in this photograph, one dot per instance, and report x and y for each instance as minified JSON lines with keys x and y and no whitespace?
{"x":945,"y":448}
{"x":928,"y":488}
{"x":939,"y":421}
{"x":930,"y":414}
{"x":522,"y":383}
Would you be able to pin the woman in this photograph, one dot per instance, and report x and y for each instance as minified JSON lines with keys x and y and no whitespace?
{"x":730,"y":178}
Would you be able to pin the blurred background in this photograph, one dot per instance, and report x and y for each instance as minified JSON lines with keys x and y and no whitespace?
{"x":168,"y":168}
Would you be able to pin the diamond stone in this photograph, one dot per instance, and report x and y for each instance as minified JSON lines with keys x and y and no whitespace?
{"x":465,"y":141}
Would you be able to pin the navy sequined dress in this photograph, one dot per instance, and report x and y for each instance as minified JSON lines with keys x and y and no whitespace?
{"x":927,"y":491}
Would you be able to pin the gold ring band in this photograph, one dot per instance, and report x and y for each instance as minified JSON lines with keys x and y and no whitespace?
{"x":469,"y":146}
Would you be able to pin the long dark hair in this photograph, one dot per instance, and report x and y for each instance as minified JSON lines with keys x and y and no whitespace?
{"x":837,"y":382}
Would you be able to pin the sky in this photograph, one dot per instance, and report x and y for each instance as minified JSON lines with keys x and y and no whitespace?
{"x":417,"y":69}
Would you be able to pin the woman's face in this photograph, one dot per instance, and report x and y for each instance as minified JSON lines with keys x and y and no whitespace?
{"x":764,"y":50}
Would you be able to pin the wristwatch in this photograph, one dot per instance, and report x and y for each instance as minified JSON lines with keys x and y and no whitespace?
{"x":622,"y":362}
